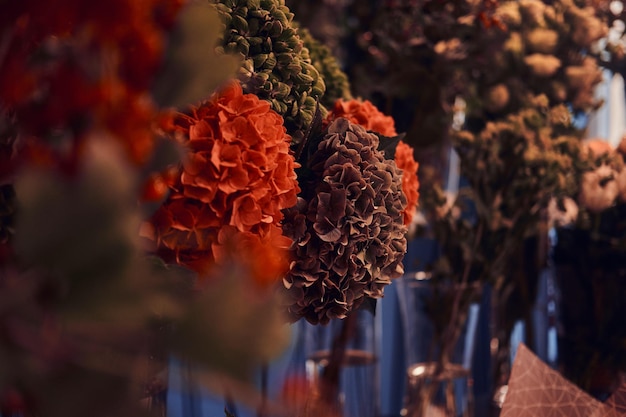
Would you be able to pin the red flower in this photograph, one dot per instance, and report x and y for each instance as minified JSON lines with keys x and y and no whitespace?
{"x":410,"y":183}
{"x":237,"y":178}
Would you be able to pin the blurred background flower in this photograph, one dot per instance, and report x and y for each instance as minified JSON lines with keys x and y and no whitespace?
{"x":589,"y":264}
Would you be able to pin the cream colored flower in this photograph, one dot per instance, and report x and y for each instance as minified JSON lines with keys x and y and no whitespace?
{"x":583,"y":77}
{"x":542,"y":40}
{"x":559,"y":115}
{"x":596,"y":147}
{"x":449,"y":207}
{"x":542,"y":65}
{"x":509,"y":14}
{"x":451,"y":49}
{"x":533,"y":11}
{"x":497,"y":97}
{"x":540,"y":101}
{"x":586,"y":27}
{"x":621,"y":184}
{"x":514,"y":44}
{"x":621,"y":148}
{"x":558,"y":91}
{"x":560,"y":218}
{"x":550,"y":14}
{"x":598,"y":189}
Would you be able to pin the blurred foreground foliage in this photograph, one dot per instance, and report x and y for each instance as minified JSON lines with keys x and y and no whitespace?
{"x":88,"y":318}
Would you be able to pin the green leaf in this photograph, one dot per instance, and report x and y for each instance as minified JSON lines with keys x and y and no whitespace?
{"x":388,"y":144}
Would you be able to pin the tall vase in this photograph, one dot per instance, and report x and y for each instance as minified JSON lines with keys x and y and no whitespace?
{"x":439,"y":326}
{"x":342,"y":366}
{"x":591,"y":277}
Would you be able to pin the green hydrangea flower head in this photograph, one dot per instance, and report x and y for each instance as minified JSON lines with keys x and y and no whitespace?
{"x":337,"y":84}
{"x":276,"y":66}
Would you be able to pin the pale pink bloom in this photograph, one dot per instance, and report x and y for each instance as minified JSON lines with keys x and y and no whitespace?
{"x":621,"y":184}
{"x":597,"y":147}
{"x":542,"y":65}
{"x":598,"y":189}
{"x":560,"y":218}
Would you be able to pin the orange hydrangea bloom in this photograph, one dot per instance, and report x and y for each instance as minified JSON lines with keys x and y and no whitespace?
{"x":237,"y":177}
{"x":367,"y":115}
{"x":410,"y":183}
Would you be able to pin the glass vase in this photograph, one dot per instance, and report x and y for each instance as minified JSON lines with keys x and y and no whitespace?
{"x":433,"y":392}
{"x":155,"y":396}
{"x":591,"y":279}
{"x":439,"y":327}
{"x":342,"y":366}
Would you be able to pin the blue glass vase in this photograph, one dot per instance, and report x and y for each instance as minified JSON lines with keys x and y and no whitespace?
{"x":439,"y":327}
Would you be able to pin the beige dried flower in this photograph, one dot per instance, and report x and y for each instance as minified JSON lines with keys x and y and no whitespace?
{"x":542,"y":65}
{"x":550,"y":14}
{"x":509,"y":14}
{"x":585,"y":75}
{"x":451,"y":49}
{"x":558,"y":91}
{"x":621,"y":148}
{"x":514,"y":44}
{"x":586,"y":27}
{"x":559,"y":115}
{"x":533,"y":11}
{"x":598,"y":189}
{"x":449,"y":207}
{"x":621,"y":185}
{"x":542,"y":40}
{"x":596,"y":147}
{"x":497,"y":97}
{"x":540,"y":101}
{"x":559,"y":217}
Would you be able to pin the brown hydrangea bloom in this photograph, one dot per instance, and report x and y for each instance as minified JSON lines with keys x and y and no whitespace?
{"x":347,"y":227}
{"x":365,"y":114}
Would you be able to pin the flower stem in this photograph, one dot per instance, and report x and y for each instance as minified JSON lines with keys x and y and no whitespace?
{"x":330,"y":377}
{"x":452,"y":331}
